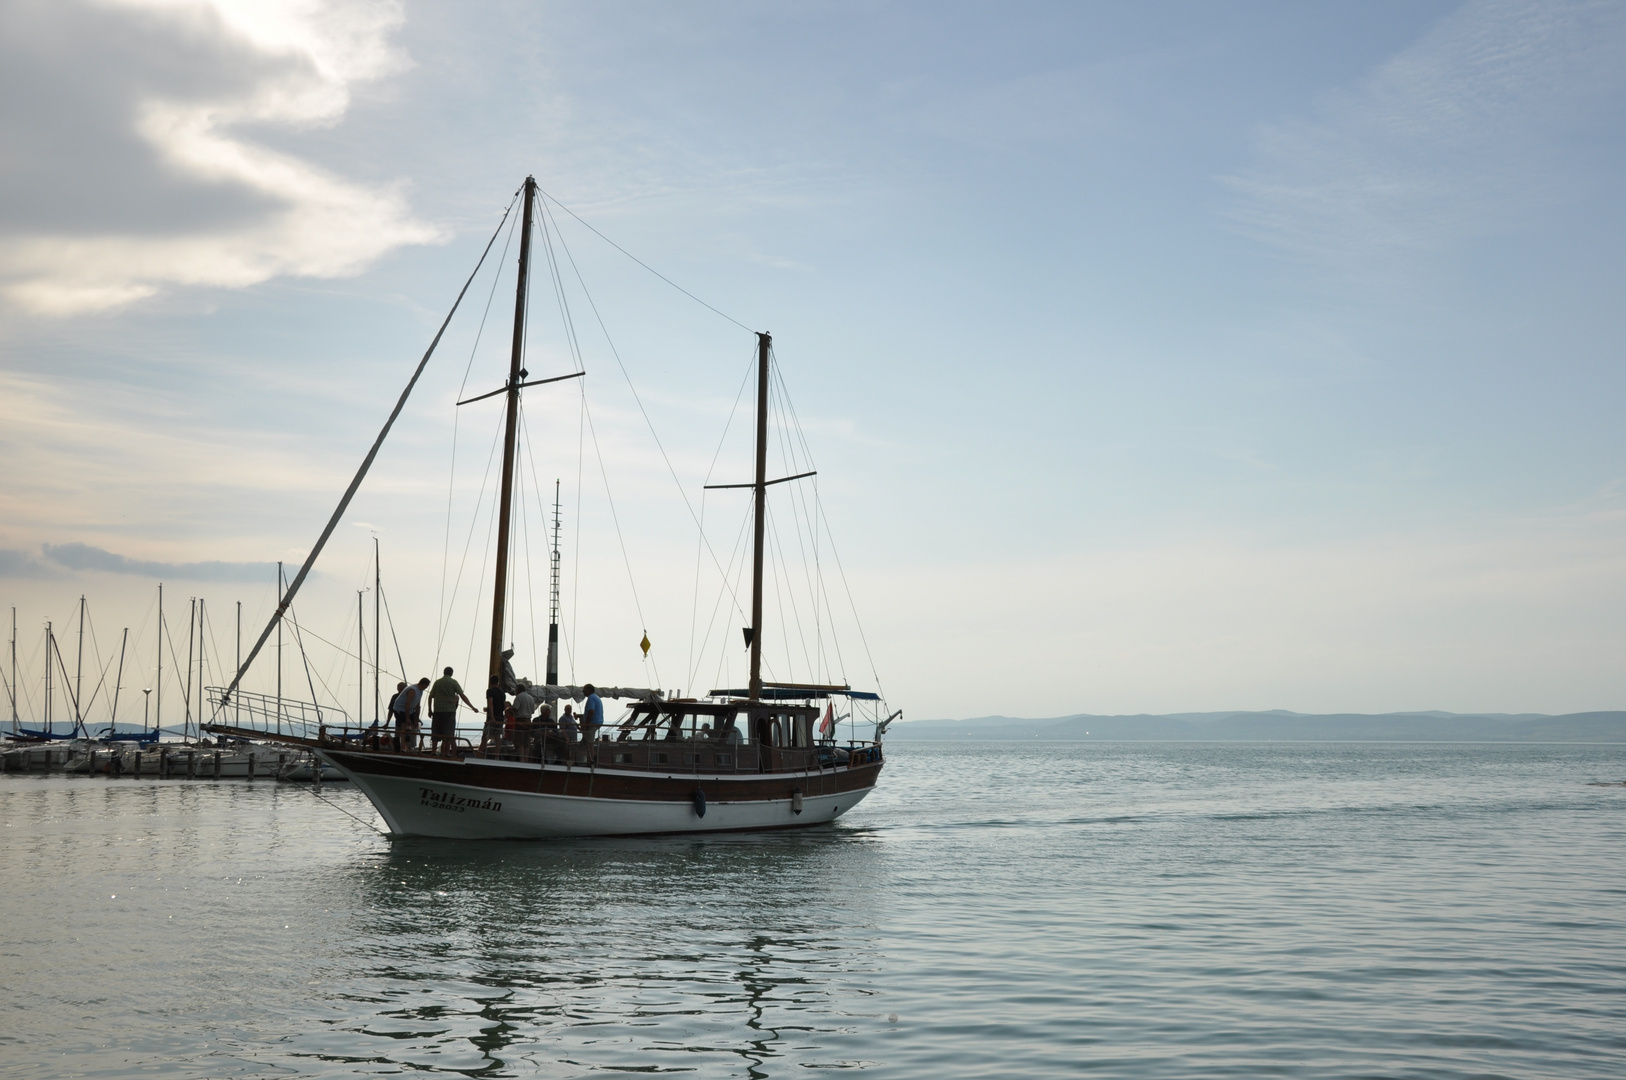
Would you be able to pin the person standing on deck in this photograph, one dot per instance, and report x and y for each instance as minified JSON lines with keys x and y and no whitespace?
{"x":443,"y":699}
{"x":592,"y":714}
{"x":525,"y":701}
{"x":405,"y":706}
{"x":496,"y":702}
{"x":396,"y":717}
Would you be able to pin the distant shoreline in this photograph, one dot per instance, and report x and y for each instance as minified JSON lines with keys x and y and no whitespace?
{"x":1601,"y":728}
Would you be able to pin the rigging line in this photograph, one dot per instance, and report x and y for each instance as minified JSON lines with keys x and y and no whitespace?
{"x":723,"y":651}
{"x":694,"y":603}
{"x":788,"y":455}
{"x":801,"y":435}
{"x":451,"y":475}
{"x":800,"y":506}
{"x":781,"y":567}
{"x":530,"y":456}
{"x":317,"y":765}
{"x":485,"y":560}
{"x":836,"y":554}
{"x":643,"y":264}
{"x":100,"y":682}
{"x":745,"y":380}
{"x":558,"y":279}
{"x":576,"y":554}
{"x":141,"y":629}
{"x":361,"y":473}
{"x":700,"y":544}
{"x":647,"y":421}
{"x":524,"y":547}
{"x":96,"y":654}
{"x":344,"y":657}
{"x":474,"y":521}
{"x":790,"y":593}
{"x":30,"y":661}
{"x":734,"y":553}
{"x":834,"y":640}
{"x":305,"y":660}
{"x":616,"y":518}
{"x":382,"y":595}
{"x":72,"y":698}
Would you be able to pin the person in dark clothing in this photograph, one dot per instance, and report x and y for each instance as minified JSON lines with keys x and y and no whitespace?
{"x":496,"y":702}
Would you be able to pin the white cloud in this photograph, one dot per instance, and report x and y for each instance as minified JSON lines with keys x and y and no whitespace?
{"x":196,"y":79}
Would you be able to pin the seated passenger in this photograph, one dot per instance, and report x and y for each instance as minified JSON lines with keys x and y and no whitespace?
{"x":732,"y":735}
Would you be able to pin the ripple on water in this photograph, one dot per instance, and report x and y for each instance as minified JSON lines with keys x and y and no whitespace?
{"x":1118,"y":909}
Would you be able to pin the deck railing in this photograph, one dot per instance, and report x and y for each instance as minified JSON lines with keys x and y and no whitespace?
{"x":271,"y":714}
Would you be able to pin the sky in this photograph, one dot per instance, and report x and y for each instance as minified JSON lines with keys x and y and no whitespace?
{"x":1153,"y":357}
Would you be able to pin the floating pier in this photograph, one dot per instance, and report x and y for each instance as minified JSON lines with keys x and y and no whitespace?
{"x":226,"y":760}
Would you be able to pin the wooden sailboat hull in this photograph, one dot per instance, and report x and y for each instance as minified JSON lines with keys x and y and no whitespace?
{"x":502,"y":800}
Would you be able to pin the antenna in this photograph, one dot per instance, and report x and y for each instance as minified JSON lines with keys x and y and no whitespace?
{"x":553,"y":596}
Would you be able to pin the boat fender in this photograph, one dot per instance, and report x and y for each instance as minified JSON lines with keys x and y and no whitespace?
{"x":699,"y":803}
{"x":796,"y":800}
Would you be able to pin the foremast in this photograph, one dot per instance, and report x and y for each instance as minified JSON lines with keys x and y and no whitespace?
{"x":516,"y":375}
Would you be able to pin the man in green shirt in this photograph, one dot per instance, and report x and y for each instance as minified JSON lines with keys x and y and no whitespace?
{"x":443,"y":698}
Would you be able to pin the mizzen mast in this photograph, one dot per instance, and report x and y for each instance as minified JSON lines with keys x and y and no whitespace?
{"x":516,"y":375}
{"x":761,"y":513}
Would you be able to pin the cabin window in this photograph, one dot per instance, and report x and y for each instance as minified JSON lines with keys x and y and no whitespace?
{"x":657,"y":759}
{"x":724,"y":759}
{"x":623,"y":759}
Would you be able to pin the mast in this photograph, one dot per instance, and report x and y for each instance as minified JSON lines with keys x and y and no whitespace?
{"x":201,"y":694}
{"x":237,"y":716}
{"x":50,"y":643}
{"x":158,"y":717}
{"x":118,"y":683}
{"x":191,"y":627}
{"x":361,"y":661}
{"x":279,"y":650}
{"x":14,"y":669}
{"x":761,"y":488}
{"x":378,"y":634}
{"x":516,"y":375}
{"x":553,"y":597}
{"x":79,"y":668}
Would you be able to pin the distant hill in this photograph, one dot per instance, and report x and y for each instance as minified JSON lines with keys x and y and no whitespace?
{"x":1280,"y":726}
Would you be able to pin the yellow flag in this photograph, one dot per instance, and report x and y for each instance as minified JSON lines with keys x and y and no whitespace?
{"x":644,"y":644}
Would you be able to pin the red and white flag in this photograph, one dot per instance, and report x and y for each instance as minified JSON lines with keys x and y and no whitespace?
{"x":828,"y":724}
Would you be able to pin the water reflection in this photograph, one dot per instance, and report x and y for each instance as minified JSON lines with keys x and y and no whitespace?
{"x":723,"y":954}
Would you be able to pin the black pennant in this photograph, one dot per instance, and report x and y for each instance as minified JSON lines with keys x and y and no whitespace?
{"x":749,"y":633}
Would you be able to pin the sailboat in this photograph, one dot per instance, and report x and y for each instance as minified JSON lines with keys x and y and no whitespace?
{"x":735,"y":759}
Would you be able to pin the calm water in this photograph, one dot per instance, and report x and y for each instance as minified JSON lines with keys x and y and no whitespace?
{"x":1131,"y":910}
